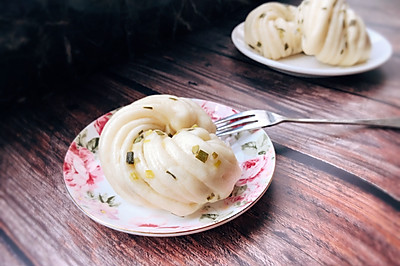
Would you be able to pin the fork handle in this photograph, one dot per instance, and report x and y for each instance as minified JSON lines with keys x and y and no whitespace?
{"x":386,"y":122}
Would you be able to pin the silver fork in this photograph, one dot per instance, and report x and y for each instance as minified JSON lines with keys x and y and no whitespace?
{"x":253,"y":119}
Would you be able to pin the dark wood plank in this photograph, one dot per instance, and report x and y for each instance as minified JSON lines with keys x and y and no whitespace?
{"x":10,"y":253}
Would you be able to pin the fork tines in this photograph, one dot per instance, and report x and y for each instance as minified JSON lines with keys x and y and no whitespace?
{"x":236,"y":122}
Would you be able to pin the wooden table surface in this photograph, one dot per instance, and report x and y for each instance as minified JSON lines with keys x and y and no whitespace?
{"x":335,"y":194}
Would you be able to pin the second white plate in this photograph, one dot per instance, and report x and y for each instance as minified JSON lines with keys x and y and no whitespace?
{"x":307,"y":66}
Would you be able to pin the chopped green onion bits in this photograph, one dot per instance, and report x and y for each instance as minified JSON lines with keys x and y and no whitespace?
{"x":202,"y":156}
{"x":129,"y":157}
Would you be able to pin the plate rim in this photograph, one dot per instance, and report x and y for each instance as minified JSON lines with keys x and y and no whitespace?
{"x":307,"y":72}
{"x":207,"y":226}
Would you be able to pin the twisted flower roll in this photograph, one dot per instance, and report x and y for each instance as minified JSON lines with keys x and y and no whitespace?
{"x":161,"y":151}
{"x":327,"y":29}
{"x":272,"y":31}
{"x":333,"y":32}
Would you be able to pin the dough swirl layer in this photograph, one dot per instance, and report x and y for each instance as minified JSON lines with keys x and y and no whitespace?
{"x":272,"y":31}
{"x":333,"y":32}
{"x":161,"y":151}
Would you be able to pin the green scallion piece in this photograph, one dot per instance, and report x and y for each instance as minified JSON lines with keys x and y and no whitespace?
{"x":212,"y":195}
{"x":159,"y":132}
{"x":149,"y":174}
{"x":129,"y":157}
{"x":138,"y":139}
{"x":173,"y":176}
{"x":148,"y":107}
{"x":202,"y":156}
{"x":195,"y":149}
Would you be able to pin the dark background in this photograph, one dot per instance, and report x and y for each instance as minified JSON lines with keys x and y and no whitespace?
{"x":46,"y":45}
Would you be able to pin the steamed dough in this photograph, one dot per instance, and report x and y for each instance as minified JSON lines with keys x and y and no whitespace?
{"x":326,"y":29}
{"x":178,"y":163}
{"x":272,"y":31}
{"x":333,"y":32}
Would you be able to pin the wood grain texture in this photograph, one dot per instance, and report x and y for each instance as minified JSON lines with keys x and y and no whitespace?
{"x":334,"y":199}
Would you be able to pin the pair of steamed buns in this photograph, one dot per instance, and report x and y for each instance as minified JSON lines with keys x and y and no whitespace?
{"x":327,"y":29}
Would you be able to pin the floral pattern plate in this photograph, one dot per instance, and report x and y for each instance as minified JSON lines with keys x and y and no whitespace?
{"x":91,"y":192}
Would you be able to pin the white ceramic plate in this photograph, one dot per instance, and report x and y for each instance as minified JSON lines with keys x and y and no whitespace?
{"x":307,"y":66}
{"x":91,"y":192}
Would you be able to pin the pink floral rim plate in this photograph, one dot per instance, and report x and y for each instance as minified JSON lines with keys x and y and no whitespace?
{"x":91,"y":192}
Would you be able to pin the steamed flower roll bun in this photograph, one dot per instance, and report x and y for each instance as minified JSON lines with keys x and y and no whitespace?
{"x":161,"y":152}
{"x":333,"y":32}
{"x":271,"y":30}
